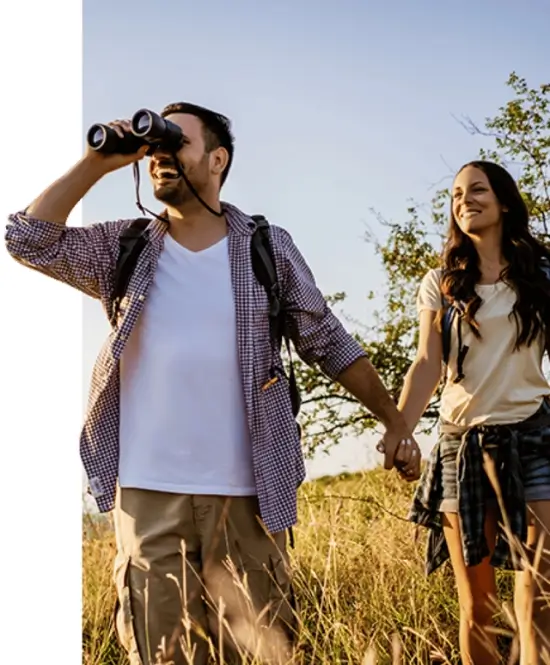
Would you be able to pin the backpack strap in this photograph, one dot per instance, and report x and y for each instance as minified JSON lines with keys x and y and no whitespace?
{"x":265,"y":271}
{"x":131,"y":243}
{"x":449,"y":314}
{"x":545,"y":267}
{"x":452,"y":312}
{"x":263,"y":264}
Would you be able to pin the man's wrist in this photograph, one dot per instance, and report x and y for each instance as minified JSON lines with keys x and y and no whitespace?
{"x":92,"y":167}
{"x":396,"y":424}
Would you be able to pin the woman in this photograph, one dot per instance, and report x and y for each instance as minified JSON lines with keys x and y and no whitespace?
{"x":495,"y":401}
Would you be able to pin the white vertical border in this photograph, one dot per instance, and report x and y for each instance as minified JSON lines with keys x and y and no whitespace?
{"x":40,"y":344}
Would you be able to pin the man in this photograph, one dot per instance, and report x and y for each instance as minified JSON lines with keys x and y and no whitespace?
{"x":186,"y":436}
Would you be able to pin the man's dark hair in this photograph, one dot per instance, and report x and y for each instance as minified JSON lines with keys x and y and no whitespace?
{"x":216,"y":129}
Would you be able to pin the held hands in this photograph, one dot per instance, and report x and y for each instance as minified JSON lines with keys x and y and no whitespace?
{"x":401,"y":453}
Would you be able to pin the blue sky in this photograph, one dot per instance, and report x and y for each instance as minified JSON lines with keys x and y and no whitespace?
{"x":336,"y":110}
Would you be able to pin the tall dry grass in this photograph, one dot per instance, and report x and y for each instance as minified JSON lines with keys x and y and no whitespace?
{"x":359,"y":580}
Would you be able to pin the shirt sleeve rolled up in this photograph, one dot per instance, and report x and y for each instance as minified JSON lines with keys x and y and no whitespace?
{"x":82,"y":257}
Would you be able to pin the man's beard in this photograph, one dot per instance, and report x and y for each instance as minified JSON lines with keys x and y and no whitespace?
{"x":172,"y":193}
{"x":176,"y":191}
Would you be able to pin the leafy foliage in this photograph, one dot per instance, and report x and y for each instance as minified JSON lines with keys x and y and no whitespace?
{"x":520,"y":138}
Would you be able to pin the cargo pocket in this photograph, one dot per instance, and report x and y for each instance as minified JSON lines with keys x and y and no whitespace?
{"x":123,"y":614}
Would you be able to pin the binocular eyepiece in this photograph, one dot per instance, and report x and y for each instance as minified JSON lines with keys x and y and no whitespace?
{"x":148,"y":128}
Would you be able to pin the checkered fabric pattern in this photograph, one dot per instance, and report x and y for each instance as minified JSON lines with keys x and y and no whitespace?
{"x":85,"y":258}
{"x":506,"y":445}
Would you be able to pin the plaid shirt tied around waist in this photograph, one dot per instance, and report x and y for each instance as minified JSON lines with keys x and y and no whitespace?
{"x":85,"y":258}
{"x":503,"y":444}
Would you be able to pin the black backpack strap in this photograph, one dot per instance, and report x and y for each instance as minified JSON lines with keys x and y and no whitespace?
{"x":131,"y":243}
{"x":447,"y":319}
{"x":263,"y":264}
{"x":265,"y":270}
{"x":450,"y":314}
{"x":545,"y":267}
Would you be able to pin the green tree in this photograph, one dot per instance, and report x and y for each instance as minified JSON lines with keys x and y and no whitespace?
{"x":519,"y":136}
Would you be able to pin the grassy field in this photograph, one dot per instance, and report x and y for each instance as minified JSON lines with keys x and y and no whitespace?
{"x":359,"y":581}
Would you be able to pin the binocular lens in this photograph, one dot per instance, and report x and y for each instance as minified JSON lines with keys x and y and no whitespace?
{"x":96,"y":136}
{"x":142,"y":123}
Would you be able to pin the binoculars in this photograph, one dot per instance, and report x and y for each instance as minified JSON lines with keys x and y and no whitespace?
{"x":148,"y":128}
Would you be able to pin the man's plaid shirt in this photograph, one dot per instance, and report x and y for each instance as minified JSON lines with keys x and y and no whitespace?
{"x":505,"y":444}
{"x":85,"y":258}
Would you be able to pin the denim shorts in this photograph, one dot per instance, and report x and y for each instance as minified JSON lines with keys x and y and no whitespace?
{"x":535,"y":469}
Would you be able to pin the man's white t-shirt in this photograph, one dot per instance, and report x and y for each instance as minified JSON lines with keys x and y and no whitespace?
{"x":183,"y":422}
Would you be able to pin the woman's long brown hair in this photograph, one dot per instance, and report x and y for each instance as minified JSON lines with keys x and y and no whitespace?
{"x":523,"y":253}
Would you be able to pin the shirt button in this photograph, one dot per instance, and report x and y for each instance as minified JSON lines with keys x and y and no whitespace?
{"x":141,"y":298}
